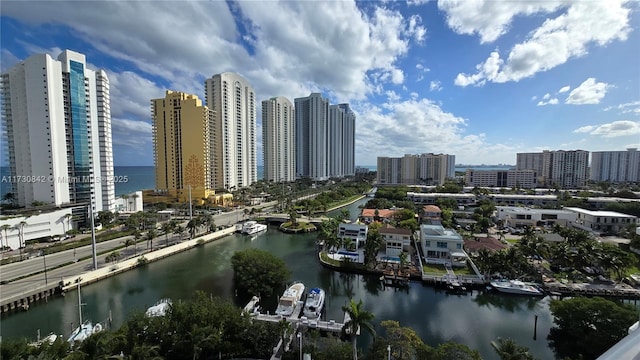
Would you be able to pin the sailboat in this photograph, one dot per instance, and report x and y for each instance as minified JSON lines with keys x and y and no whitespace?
{"x":86,"y":328}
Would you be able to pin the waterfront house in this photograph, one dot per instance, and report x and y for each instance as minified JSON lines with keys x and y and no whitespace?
{"x":396,"y":240}
{"x":442,"y":246}
{"x":384,"y":215}
{"x":353,"y":233}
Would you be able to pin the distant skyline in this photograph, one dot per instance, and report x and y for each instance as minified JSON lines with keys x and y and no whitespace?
{"x":481,"y":80}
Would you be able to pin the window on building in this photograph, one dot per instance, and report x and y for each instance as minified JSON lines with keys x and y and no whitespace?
{"x":442,"y":244}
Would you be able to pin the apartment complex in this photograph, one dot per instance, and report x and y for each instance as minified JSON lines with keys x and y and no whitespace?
{"x":57,"y":118}
{"x":325,"y":138}
{"x":233,"y":150}
{"x":524,"y":179}
{"x":423,"y":169}
{"x":278,"y":139}
{"x":562,"y":168}
{"x":615,"y":166}
{"x":183,"y":131}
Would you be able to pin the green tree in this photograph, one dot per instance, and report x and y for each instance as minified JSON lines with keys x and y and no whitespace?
{"x":167,"y":227}
{"x":105,"y":217}
{"x":128,"y":243}
{"x":150,"y":235}
{"x":587,"y":327}
{"x":507,"y":349}
{"x":453,"y":351}
{"x":359,"y":318}
{"x":403,"y":342}
{"x":258,"y":272}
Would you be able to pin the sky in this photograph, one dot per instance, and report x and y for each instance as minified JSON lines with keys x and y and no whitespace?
{"x":481,"y":80}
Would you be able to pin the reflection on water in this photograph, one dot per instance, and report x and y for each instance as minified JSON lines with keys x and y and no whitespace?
{"x":474,"y":320}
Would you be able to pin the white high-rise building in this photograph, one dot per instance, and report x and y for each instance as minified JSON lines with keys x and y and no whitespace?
{"x":312,"y":132}
{"x":615,"y":166}
{"x":278,"y":139}
{"x":422,"y":169}
{"x":57,"y":119}
{"x":348,"y":141}
{"x":234,"y":141}
{"x":562,"y":168}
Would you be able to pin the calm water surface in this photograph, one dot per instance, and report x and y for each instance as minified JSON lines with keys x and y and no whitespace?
{"x":474,"y":319}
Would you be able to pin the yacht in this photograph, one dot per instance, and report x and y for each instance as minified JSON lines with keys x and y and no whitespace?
{"x":253,"y":227}
{"x":516,"y":287}
{"x":86,"y":328}
{"x":289,"y":300}
{"x":159,"y":309}
{"x":315,"y":302}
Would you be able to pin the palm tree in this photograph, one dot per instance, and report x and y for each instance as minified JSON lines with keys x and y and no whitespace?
{"x":128,"y":243}
{"x":191,"y":226}
{"x":137,"y":235}
{"x":20,"y":226}
{"x":4,"y":228}
{"x":166,"y":228}
{"x":508,"y":349}
{"x":178,"y":230}
{"x":150,"y":235}
{"x":126,"y":201}
{"x":358,"y":318}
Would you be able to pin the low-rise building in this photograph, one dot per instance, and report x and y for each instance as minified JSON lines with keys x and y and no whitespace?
{"x":396,"y":240}
{"x":442,"y":246}
{"x":370,"y":215}
{"x":353,"y":232}
{"x":524,"y":179}
{"x":602,"y":222}
{"x":523,"y":199}
{"x":432,"y":198}
{"x":431,"y":214}
{"x":517,"y":217}
{"x":41,"y":225}
{"x":129,"y":203}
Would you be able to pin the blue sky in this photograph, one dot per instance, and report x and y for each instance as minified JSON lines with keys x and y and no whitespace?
{"x":482,"y":80}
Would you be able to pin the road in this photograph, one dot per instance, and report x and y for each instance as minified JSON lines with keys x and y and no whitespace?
{"x":36,"y":266}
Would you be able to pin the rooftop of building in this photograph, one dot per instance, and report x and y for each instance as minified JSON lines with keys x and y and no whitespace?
{"x":602,"y":213}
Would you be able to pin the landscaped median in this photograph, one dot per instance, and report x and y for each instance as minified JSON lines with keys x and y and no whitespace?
{"x":107,"y":270}
{"x":345,"y":266}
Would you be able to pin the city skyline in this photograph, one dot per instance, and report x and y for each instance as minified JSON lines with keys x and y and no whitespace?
{"x":483,"y":80}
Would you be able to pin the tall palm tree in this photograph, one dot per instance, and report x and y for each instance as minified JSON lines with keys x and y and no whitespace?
{"x":20,"y":226}
{"x":128,"y":243}
{"x":358,"y":318}
{"x":125,"y":197}
{"x":150,"y":235}
{"x":5,"y":228}
{"x":166,"y":228}
{"x":137,"y":235}
{"x":191,"y":226}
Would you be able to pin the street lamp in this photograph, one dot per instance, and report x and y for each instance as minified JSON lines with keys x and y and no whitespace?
{"x":44,"y":259}
{"x":388,"y":352}
{"x":300,"y":339}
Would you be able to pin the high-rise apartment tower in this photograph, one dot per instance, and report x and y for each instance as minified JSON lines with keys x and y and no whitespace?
{"x":278,"y":139}
{"x":234,"y":144}
{"x":57,"y":119}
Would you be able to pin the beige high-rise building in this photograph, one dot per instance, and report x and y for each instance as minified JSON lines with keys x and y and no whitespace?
{"x":422,"y":169}
{"x":234,"y":149}
{"x":182,"y":133}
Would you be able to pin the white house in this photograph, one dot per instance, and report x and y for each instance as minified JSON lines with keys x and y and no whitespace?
{"x":354,"y":232}
{"x":516,"y":216}
{"x":604,"y":222}
{"x":396,"y":239}
{"x":129,"y":203}
{"x":54,"y":223}
{"x":442,"y":246}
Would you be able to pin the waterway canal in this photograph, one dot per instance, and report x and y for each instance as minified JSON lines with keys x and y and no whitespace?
{"x":474,"y":319}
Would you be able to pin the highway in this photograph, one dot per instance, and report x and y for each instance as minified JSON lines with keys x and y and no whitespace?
{"x":35,"y":266}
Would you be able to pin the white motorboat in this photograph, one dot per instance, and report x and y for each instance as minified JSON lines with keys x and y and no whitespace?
{"x":314,"y":303}
{"x":253,"y":227}
{"x":86,"y":328}
{"x":289,"y":300}
{"x":516,"y":287}
{"x":159,"y":309}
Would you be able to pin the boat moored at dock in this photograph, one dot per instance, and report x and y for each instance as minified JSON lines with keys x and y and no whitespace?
{"x":289,"y":300}
{"x":516,"y":287}
{"x":314,"y":303}
{"x":253,"y":227}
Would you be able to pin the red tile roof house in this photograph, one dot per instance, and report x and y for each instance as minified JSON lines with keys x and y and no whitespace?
{"x":369,"y":215}
{"x":473,"y":245}
{"x":431,"y":214}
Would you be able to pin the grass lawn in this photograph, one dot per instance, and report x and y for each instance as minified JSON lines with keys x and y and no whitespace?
{"x":512,"y":241}
{"x":300,"y":225}
{"x":433,"y":269}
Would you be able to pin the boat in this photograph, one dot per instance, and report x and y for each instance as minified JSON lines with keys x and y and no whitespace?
{"x":454,"y":286}
{"x":314,"y":303}
{"x":253,"y":227}
{"x":289,"y":300}
{"x":159,"y":309}
{"x":516,"y":287}
{"x":86,"y":328}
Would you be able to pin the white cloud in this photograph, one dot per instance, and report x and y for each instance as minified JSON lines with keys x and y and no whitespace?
{"x":435,"y":86}
{"x":534,"y":97}
{"x":422,"y":67}
{"x":552,"y":101}
{"x":546,"y":96}
{"x":131,"y":93}
{"x":555,"y":42}
{"x":589,"y":92}
{"x":612,"y":130}
{"x":626,"y":108}
{"x":564,"y":89}
{"x":415,"y":30}
{"x":489,"y":18}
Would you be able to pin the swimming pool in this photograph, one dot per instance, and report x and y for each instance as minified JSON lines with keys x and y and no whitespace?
{"x":391,"y":258}
{"x":349,"y":253}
